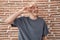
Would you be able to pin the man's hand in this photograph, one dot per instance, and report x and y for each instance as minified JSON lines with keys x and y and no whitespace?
{"x":44,"y":38}
{"x":31,"y":8}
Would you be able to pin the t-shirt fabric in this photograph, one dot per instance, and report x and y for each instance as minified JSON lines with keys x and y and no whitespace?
{"x":30,"y":29}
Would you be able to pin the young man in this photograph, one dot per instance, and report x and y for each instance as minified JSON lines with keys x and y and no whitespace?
{"x":31,"y":27}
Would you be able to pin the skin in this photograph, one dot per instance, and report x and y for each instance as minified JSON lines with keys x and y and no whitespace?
{"x":44,"y":38}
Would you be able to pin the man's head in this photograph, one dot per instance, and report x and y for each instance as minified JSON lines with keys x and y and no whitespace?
{"x":32,"y":10}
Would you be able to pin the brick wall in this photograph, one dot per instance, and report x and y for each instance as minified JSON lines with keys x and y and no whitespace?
{"x":49,"y":10}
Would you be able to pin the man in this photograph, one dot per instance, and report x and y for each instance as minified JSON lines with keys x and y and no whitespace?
{"x":31,"y":27}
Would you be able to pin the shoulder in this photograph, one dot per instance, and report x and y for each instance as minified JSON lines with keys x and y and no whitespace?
{"x":20,"y":18}
{"x":41,"y":19}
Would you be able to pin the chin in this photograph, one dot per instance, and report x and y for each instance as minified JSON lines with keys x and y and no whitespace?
{"x":35,"y":15}
{"x":26,"y":16}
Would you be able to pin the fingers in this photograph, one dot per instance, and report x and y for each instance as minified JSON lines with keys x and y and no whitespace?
{"x":30,"y":5}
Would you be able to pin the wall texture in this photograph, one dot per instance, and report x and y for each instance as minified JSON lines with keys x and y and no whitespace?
{"x":49,"y":10}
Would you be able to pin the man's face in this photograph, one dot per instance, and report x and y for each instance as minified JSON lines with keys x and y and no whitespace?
{"x":35,"y":14}
{"x":25,"y":14}
{"x":29,"y":14}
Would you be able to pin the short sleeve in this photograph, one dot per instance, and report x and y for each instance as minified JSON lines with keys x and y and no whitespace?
{"x":45,"y":29}
{"x":16,"y":22}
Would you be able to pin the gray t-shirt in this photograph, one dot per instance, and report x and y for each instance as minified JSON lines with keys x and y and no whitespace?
{"x":30,"y":29}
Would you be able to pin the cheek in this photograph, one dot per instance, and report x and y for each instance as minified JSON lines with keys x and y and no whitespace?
{"x":34,"y":14}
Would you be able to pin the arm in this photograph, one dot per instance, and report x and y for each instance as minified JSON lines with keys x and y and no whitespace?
{"x":44,"y":38}
{"x":10,"y":19}
{"x":15,"y":15}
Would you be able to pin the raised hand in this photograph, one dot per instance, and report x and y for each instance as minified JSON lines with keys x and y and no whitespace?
{"x":31,"y":8}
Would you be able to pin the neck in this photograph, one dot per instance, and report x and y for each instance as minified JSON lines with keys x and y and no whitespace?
{"x":33,"y":17}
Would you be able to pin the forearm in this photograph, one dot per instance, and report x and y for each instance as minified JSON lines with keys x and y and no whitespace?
{"x":44,"y":38}
{"x":11,"y":18}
